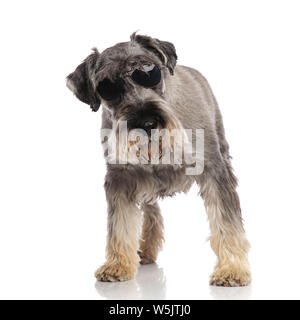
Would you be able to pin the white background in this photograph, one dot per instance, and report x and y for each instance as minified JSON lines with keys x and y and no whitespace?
{"x":52,"y":206}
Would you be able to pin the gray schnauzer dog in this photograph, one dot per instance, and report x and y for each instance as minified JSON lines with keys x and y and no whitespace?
{"x":138,"y":83}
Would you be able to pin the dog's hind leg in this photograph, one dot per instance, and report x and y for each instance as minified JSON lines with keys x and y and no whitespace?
{"x":124,"y":222}
{"x":152,"y":237}
{"x":227,"y":239}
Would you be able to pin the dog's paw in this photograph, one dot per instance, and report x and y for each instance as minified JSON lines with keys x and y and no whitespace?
{"x":115,"y":272}
{"x":146,"y":259}
{"x":230,"y":277}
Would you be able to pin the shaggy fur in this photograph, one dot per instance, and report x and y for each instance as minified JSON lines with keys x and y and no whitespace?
{"x":182,"y":99}
{"x":152,"y":235}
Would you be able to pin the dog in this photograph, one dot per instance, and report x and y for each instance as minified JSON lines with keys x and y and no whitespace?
{"x":138,"y":83}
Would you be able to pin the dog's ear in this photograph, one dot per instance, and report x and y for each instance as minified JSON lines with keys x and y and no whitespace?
{"x":164,"y":50}
{"x":80,"y":83}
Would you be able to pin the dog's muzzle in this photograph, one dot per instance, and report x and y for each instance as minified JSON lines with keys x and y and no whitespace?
{"x":147,"y":118}
{"x":149,"y":125}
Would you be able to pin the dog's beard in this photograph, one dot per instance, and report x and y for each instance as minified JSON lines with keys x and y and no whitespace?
{"x":164,"y":146}
{"x":170,"y":143}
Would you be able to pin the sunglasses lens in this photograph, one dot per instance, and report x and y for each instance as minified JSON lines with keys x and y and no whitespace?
{"x":109,"y":90}
{"x":148,"y":77}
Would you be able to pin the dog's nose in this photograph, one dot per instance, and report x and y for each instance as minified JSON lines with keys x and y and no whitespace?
{"x":149,"y":125}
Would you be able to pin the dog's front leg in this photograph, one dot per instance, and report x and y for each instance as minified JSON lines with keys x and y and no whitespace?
{"x":227,"y":239}
{"x":124,"y":221}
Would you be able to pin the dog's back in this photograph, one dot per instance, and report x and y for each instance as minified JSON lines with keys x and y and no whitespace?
{"x":196,"y":107}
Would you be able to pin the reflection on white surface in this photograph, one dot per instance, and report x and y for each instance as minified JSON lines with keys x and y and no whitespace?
{"x":235,"y":293}
{"x":149,"y":283}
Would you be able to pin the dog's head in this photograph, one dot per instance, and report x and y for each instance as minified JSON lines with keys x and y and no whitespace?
{"x":129,"y":80}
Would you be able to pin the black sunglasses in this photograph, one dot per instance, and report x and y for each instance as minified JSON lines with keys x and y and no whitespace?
{"x":149,"y":76}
